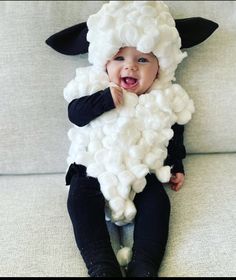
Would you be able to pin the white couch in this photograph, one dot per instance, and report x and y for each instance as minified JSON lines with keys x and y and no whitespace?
{"x":36,"y":237}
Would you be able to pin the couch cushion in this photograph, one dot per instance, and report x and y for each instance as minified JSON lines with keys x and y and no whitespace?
{"x":33,"y":112}
{"x":202,"y":240}
{"x":36,"y":235}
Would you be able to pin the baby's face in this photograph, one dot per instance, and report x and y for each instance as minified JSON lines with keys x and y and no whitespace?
{"x":133,"y":70}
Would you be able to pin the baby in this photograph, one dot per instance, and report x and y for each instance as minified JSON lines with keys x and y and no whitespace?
{"x":127,"y":138}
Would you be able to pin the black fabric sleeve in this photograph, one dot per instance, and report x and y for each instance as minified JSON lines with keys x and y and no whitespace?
{"x":83,"y":110}
{"x":176,"y":150}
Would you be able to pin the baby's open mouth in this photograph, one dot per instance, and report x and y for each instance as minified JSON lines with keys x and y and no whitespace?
{"x":128,"y":82}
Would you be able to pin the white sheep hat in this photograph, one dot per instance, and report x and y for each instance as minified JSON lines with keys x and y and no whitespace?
{"x":146,"y":25}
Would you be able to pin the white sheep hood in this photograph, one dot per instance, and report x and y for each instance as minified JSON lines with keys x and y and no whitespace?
{"x":125,"y":144}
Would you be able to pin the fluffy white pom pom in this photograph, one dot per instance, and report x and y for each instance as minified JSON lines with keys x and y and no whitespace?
{"x":126,"y":178}
{"x":124,"y":256}
{"x":130,"y":210}
{"x":140,"y":170}
{"x":117,"y":204}
{"x":184,"y":117}
{"x":163,"y":174}
{"x":124,"y":190}
{"x":95,"y":169}
{"x":107,"y":179}
{"x":108,"y":191}
{"x":139,"y":185}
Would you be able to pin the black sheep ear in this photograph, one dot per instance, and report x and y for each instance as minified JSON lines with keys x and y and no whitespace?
{"x":194,"y":30}
{"x":73,"y":40}
{"x":70,"y":41}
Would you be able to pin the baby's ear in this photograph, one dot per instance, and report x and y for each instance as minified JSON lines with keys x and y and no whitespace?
{"x":194,"y":30}
{"x":70,"y":41}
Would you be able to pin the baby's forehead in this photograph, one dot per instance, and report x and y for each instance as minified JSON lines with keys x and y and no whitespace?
{"x":133,"y":51}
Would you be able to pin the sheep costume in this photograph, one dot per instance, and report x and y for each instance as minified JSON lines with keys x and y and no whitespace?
{"x":125,"y":144}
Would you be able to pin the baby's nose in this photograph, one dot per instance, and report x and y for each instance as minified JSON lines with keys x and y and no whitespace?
{"x":131,"y":66}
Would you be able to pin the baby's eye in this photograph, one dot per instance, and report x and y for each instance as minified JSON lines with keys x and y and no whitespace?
{"x":142,"y":60}
{"x":119,"y":58}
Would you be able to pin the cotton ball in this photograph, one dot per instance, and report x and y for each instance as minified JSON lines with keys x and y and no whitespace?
{"x":126,"y":111}
{"x":95,"y":169}
{"x":117,"y":204}
{"x":162,"y":102}
{"x":178,"y":104}
{"x":150,"y":159}
{"x":130,"y":162}
{"x":139,"y":185}
{"x":124,"y":256}
{"x":132,"y":16}
{"x":163,"y":174}
{"x":83,"y":158}
{"x":184,"y":117}
{"x":130,"y":99}
{"x":128,"y":34}
{"x":108,"y":142}
{"x":144,"y":99}
{"x":94,"y":146}
{"x":146,"y":44}
{"x":150,"y":136}
{"x":108,"y":182}
{"x":140,"y":170}
{"x":123,"y":190}
{"x":128,"y":136}
{"x":96,"y":123}
{"x":109,"y":191}
{"x":114,"y":167}
{"x":109,"y":116}
{"x":137,"y":151}
{"x":168,"y":133}
{"x":130,"y":210}
{"x":75,"y":149}
{"x":117,"y":216}
{"x":126,"y":178}
{"x":108,"y":179}
{"x":108,"y":129}
{"x":106,"y":22}
{"x":100,"y":155}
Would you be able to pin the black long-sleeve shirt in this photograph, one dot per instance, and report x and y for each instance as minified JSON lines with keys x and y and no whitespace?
{"x":83,"y":110}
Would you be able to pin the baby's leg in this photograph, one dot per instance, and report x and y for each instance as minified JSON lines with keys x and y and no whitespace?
{"x":86,"y":209}
{"x":150,"y":229}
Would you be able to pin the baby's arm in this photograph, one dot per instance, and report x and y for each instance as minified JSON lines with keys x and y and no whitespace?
{"x":176,"y":153}
{"x":83,"y":110}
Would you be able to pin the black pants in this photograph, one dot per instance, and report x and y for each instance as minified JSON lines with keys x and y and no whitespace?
{"x":86,"y":209}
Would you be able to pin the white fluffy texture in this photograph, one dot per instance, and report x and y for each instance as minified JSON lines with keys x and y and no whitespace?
{"x":146,"y":25}
{"x":124,"y":256}
{"x":125,"y":144}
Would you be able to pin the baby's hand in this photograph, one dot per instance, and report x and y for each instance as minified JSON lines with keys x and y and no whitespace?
{"x":117,"y":95}
{"x":176,"y":181}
